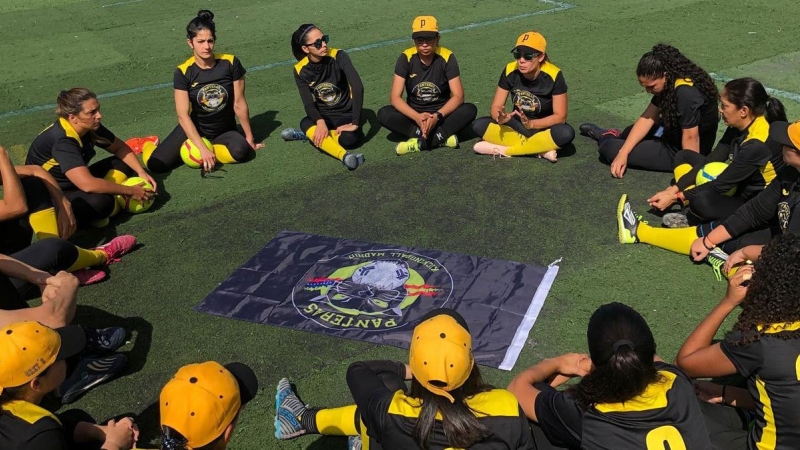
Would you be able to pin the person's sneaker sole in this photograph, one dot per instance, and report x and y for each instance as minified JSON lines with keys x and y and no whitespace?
{"x":284,"y":417}
{"x":622,"y":231}
{"x":116,"y":361}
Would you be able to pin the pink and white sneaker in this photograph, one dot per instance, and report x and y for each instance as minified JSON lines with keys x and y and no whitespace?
{"x":487,"y":148}
{"x":89,"y":276}
{"x":117,"y":247}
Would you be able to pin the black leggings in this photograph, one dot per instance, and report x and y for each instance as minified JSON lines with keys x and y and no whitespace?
{"x":759,"y":236}
{"x":652,"y":153}
{"x":167,"y":155}
{"x":89,"y":207}
{"x":348,"y":140}
{"x":727,"y":426}
{"x":49,"y":255}
{"x":395,"y":121}
{"x":708,"y":205}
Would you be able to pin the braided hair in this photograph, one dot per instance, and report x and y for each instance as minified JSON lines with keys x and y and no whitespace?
{"x":667,"y":61}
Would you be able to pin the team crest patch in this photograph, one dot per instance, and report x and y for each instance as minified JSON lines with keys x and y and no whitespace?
{"x":212,"y":98}
{"x":526,"y":102}
{"x":328,"y":93}
{"x":784,"y":212}
{"x":372,"y":290}
{"x":426,"y":92}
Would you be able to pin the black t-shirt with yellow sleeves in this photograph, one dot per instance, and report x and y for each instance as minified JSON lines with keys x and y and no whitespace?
{"x":772,"y":368}
{"x":693,"y":110}
{"x":331,"y":87}
{"x":534,"y":97}
{"x":427,"y":87}
{"x":210,"y":93}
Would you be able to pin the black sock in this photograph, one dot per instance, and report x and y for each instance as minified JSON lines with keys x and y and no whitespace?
{"x":309,"y":421}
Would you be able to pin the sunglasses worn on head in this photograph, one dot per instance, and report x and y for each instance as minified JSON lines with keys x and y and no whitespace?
{"x":527,"y":56}
{"x":424,"y":40}
{"x":318,"y":43}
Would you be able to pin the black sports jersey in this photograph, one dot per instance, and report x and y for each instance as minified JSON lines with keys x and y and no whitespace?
{"x":25,"y":426}
{"x":779,"y":203}
{"x":665,"y":415}
{"x":58,"y":149}
{"x":210,"y":93}
{"x":533,"y":97}
{"x":427,"y":87}
{"x":390,"y":416}
{"x":754,"y":161}
{"x":693,"y":110}
{"x":772,"y":368}
{"x":331,"y":87}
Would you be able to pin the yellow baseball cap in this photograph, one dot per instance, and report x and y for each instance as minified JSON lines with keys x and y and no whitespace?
{"x":28,"y":348}
{"x":424,"y":26}
{"x":533,"y":41}
{"x":201,"y":400}
{"x":785,"y":133}
{"x":441,"y":352}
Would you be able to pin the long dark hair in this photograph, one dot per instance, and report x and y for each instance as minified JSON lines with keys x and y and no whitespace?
{"x":622,"y":348}
{"x":749,"y":92}
{"x":667,"y":60}
{"x":461,"y":427}
{"x":773,"y":293}
{"x":299,"y":39}
{"x":203,"y":21}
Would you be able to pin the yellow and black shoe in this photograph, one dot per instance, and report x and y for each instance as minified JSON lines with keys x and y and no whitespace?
{"x":627,"y":221}
{"x":410,"y":146}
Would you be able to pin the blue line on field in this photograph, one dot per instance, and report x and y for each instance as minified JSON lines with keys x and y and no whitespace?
{"x":121,"y":3}
{"x":557,"y":7}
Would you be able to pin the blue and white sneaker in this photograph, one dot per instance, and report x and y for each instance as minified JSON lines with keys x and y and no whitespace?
{"x":354,"y":443}
{"x":293,"y":134}
{"x":102,"y":341}
{"x":90,"y":372}
{"x":288,"y":412}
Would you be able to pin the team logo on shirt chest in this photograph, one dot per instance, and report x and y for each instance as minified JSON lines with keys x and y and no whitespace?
{"x":212,"y":98}
{"x":426,"y":92}
{"x":526,"y":102}
{"x":372,"y":290}
{"x":328,"y":93}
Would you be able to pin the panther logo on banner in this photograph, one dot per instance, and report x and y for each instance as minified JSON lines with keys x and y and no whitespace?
{"x":372,"y":290}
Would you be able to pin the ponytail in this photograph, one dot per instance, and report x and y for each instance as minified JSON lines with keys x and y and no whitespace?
{"x":622,"y":378}
{"x":299,"y":39}
{"x":750,"y":92}
{"x":71,"y":102}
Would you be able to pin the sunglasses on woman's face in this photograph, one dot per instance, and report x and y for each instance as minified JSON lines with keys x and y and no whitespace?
{"x":424,"y":40}
{"x":318,"y":43}
{"x":527,"y":56}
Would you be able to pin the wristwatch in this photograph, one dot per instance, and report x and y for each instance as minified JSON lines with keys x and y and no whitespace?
{"x":439,"y":116}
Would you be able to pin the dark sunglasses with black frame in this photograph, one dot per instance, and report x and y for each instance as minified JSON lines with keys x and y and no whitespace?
{"x":318,"y":43}
{"x":425,"y":40}
{"x":528,"y":56}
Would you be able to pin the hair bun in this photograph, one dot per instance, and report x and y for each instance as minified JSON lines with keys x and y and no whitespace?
{"x":205,"y":14}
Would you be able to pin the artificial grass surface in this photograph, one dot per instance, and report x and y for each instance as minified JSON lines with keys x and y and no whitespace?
{"x":515,"y":209}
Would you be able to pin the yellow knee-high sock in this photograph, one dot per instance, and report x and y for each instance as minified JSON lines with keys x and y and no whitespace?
{"x":678,"y":240}
{"x":337,"y":421}
{"x":116,"y":176}
{"x":541,"y":142}
{"x":502,"y":135}
{"x":223,"y":154}
{"x":364,"y":435}
{"x":147,"y":151}
{"x":329,"y":145}
{"x":45,"y":226}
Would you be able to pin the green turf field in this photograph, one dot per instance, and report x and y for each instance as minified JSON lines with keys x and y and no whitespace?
{"x":515,"y":209}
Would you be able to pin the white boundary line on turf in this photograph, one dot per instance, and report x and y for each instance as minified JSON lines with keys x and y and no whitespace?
{"x":121,"y":3}
{"x":773,"y":92}
{"x":557,"y":7}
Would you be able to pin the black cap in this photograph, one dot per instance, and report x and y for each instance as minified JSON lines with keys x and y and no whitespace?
{"x":248,"y":383}
{"x":73,"y":341}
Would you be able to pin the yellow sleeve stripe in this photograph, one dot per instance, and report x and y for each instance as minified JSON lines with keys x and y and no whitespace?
{"x":684,"y":82}
{"x":444,"y":53}
{"x":28,"y":411}
{"x":49,"y":164}
{"x":300,"y":64}
{"x":69,"y":131}
{"x":332,"y":52}
{"x":550,"y":69}
{"x":224,"y":56}
{"x":511,"y":67}
{"x":758,"y":130}
{"x":769,"y":436}
{"x":186,"y":64}
{"x":653,"y":397}
{"x":410,"y":52}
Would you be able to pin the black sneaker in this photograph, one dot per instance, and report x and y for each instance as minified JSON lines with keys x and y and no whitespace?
{"x":89,"y":373}
{"x":103,"y":341}
{"x":593,"y":131}
{"x":353,"y":160}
